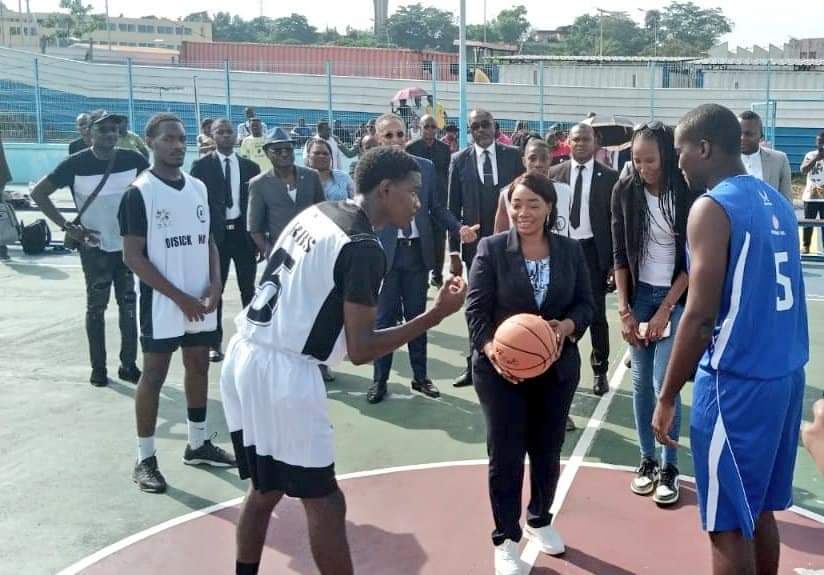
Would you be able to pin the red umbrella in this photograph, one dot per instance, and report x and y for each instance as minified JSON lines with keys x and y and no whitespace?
{"x":409,"y":93}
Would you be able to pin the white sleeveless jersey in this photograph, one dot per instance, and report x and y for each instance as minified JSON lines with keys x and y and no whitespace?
{"x":177,"y":244}
{"x":297,"y":307}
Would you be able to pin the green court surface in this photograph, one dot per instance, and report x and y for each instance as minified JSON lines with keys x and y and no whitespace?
{"x":68,"y":448}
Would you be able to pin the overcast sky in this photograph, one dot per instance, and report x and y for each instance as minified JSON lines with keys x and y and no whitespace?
{"x":754,"y":23}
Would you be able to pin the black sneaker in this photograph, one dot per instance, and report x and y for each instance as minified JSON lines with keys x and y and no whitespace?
{"x":376,"y":392}
{"x":644,"y":481}
{"x":148,"y":476}
{"x":129,"y":373}
{"x":667,"y":491}
{"x":426,"y":387}
{"x":208,"y":454}
{"x":326,"y":374}
{"x":99,"y":378}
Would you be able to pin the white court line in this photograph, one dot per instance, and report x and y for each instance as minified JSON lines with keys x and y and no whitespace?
{"x":530,"y":553}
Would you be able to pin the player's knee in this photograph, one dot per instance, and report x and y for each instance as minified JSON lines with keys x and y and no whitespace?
{"x":152,"y":379}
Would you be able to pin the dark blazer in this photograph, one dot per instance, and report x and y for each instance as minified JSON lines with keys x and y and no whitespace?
{"x":440,"y":156}
{"x":626,"y":223}
{"x":499,"y":287}
{"x":208,"y":170}
{"x":430,"y":209}
{"x":465,"y":187}
{"x":270,"y":206}
{"x":600,"y":205}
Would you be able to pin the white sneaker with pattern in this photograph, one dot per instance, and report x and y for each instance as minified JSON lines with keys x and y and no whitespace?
{"x":547,"y":539}
{"x":508,"y":559}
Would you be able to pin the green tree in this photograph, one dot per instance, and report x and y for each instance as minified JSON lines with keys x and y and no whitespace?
{"x":294,"y":29}
{"x":363,"y":38}
{"x":476,"y":32}
{"x":685,"y":29}
{"x":419,"y":28}
{"x":621,"y":36}
{"x":78,"y":23}
{"x":512,"y":25}
{"x":228,"y":28}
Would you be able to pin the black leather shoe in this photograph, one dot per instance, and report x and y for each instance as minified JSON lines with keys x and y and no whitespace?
{"x":99,"y":378}
{"x":426,"y":387}
{"x":216,"y":355}
{"x":570,"y":425}
{"x":326,"y":374}
{"x":129,"y":373}
{"x":463,"y":380}
{"x":600,"y":385}
{"x":376,"y":392}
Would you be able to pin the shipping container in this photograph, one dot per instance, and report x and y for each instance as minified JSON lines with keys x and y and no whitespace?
{"x":300,"y":59}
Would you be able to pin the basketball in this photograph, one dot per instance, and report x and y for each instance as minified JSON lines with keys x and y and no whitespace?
{"x":525,"y":345}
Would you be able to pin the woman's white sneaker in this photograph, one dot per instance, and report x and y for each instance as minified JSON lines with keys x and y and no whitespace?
{"x":547,"y":539}
{"x":508,"y":559}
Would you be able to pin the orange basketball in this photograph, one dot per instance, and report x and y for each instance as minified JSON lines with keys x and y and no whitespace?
{"x":525,"y":345}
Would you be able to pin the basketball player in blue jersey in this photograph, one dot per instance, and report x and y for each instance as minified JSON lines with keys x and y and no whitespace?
{"x":746,"y":320}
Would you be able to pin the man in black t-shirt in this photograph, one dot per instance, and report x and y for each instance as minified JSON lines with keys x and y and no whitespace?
{"x":101,"y":248}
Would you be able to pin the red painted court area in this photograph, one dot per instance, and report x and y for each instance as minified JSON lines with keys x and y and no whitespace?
{"x":436,"y":520}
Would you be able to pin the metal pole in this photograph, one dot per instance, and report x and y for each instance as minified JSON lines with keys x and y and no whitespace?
{"x":652,"y":69}
{"x":228,"y":83}
{"x":541,"y":98}
{"x":770,"y":116}
{"x":197,"y":104}
{"x":131,"y":92}
{"x":434,"y":85}
{"x":38,"y":109}
{"x":462,"y":116}
{"x":108,"y":28}
{"x":329,"y":92}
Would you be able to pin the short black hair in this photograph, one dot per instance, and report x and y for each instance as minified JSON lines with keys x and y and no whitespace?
{"x":323,"y":123}
{"x":749,"y":115}
{"x":154,"y":123}
{"x":224,"y":120}
{"x":451,"y":128}
{"x":383,"y":163}
{"x":205,"y":122}
{"x":715,"y":124}
{"x":820,"y":134}
{"x":543,"y":187}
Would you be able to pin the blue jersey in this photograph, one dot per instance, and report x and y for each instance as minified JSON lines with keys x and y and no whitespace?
{"x":761,"y":329}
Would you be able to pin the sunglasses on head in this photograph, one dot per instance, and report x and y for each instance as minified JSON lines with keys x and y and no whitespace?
{"x":482,"y":125}
{"x":652,"y":125}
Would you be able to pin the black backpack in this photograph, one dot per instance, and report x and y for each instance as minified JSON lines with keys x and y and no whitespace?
{"x":35,"y":237}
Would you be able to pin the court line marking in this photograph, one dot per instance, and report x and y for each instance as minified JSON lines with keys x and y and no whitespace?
{"x":98,"y":556}
{"x":531,"y":552}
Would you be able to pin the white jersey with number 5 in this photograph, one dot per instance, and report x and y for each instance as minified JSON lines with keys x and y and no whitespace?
{"x":761,"y":329}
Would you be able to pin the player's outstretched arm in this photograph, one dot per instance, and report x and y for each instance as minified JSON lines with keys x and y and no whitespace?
{"x":366,"y":344}
{"x":708,"y":234}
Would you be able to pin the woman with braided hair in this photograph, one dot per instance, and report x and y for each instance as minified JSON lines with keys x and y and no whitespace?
{"x":649,"y":221}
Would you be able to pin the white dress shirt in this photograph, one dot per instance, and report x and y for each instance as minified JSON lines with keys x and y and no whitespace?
{"x":413,"y":235}
{"x":479,"y":154}
{"x":584,"y":230}
{"x":753,"y":164}
{"x":232,"y":213}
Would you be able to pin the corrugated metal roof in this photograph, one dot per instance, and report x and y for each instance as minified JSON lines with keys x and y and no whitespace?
{"x":615,"y":59}
{"x":759,"y":62}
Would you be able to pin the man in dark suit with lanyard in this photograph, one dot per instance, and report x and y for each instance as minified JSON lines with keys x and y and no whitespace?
{"x":409,"y":258}
{"x":227,"y":176}
{"x":590,"y":222}
{"x":476,"y":175}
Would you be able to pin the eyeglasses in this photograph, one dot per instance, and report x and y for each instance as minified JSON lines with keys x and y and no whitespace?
{"x":277,"y":151}
{"x":398,"y":134}
{"x":652,"y":125}
{"x":482,"y":125}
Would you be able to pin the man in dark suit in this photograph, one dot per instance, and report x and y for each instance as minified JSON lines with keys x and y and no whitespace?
{"x":409,"y":258}
{"x":430,"y":147}
{"x":227,"y":176}
{"x":476,"y":175}
{"x":590,"y":218}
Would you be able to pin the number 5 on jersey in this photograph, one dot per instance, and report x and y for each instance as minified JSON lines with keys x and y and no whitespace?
{"x":786,"y":302}
{"x":263,"y":305}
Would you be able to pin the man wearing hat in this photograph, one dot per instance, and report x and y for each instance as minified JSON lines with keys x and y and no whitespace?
{"x":98,"y":177}
{"x":227,"y":176}
{"x":278,"y":195}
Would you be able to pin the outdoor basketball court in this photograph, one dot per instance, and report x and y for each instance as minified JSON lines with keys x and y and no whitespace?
{"x":413,"y":468}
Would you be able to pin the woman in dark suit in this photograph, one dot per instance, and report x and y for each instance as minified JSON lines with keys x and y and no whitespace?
{"x":528,"y":269}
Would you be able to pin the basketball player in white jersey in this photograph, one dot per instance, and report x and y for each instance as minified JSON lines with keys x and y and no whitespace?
{"x":164,"y":220}
{"x":316,"y":303}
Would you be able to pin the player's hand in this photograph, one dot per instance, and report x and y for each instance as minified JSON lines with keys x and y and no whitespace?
{"x":469,"y":234}
{"x":812,"y":435}
{"x":455,"y":265}
{"x":657,"y":324}
{"x":563,"y":330}
{"x":629,"y":330}
{"x":662,"y":422}
{"x":451,"y":296}
{"x":192,"y":308}
{"x":213,"y":297}
{"x":489,"y":352}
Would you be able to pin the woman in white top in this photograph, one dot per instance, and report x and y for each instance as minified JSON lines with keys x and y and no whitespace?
{"x":649,"y":221}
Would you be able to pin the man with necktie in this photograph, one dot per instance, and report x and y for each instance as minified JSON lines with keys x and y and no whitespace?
{"x":590,"y":223}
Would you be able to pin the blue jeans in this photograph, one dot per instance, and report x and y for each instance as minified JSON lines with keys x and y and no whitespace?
{"x":649,"y":364}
